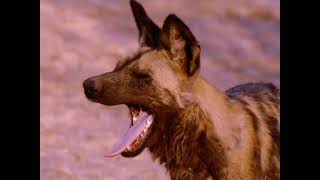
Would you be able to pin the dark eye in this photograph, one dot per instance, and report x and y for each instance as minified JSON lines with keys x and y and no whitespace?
{"x":142,"y":75}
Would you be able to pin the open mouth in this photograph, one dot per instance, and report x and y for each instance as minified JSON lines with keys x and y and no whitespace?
{"x":132,"y":142}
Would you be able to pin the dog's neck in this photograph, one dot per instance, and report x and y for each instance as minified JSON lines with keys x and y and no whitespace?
{"x":187,"y":149}
{"x":222,"y":111}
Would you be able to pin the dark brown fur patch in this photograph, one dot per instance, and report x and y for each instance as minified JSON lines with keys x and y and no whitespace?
{"x":274,"y":131}
{"x":255,"y":90}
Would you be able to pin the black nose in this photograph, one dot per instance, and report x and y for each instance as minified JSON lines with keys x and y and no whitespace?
{"x":89,"y":87}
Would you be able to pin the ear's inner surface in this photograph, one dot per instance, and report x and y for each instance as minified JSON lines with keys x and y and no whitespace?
{"x":182,"y":46}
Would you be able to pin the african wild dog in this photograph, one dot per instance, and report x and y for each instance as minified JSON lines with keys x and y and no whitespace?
{"x":194,"y":129}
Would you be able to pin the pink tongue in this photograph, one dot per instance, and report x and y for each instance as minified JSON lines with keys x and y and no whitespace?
{"x":132,"y":134}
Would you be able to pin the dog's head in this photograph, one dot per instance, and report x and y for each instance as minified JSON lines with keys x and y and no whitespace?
{"x":149,"y":82}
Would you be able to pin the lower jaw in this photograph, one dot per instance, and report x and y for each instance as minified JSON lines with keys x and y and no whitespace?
{"x":134,"y":140}
{"x":134,"y":151}
{"x":129,"y":154}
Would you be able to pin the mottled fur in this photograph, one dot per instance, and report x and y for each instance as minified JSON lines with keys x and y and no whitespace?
{"x":193,"y":148}
{"x":198,"y":132}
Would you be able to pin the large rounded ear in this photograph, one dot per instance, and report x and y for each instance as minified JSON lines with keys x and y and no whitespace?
{"x":181,"y":45}
{"x":149,"y":32}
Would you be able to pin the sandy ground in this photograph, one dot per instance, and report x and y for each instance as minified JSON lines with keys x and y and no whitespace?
{"x":80,"y":38}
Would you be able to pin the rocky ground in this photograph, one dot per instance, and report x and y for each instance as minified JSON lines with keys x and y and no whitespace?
{"x":80,"y":38}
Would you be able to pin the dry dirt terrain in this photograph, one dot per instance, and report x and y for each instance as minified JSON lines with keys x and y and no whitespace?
{"x":80,"y":38}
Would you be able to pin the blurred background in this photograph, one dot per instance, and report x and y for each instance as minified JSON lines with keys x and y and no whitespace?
{"x":240,"y":42}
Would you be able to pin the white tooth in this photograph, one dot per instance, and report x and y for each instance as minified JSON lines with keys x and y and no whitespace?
{"x":135,"y":118}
